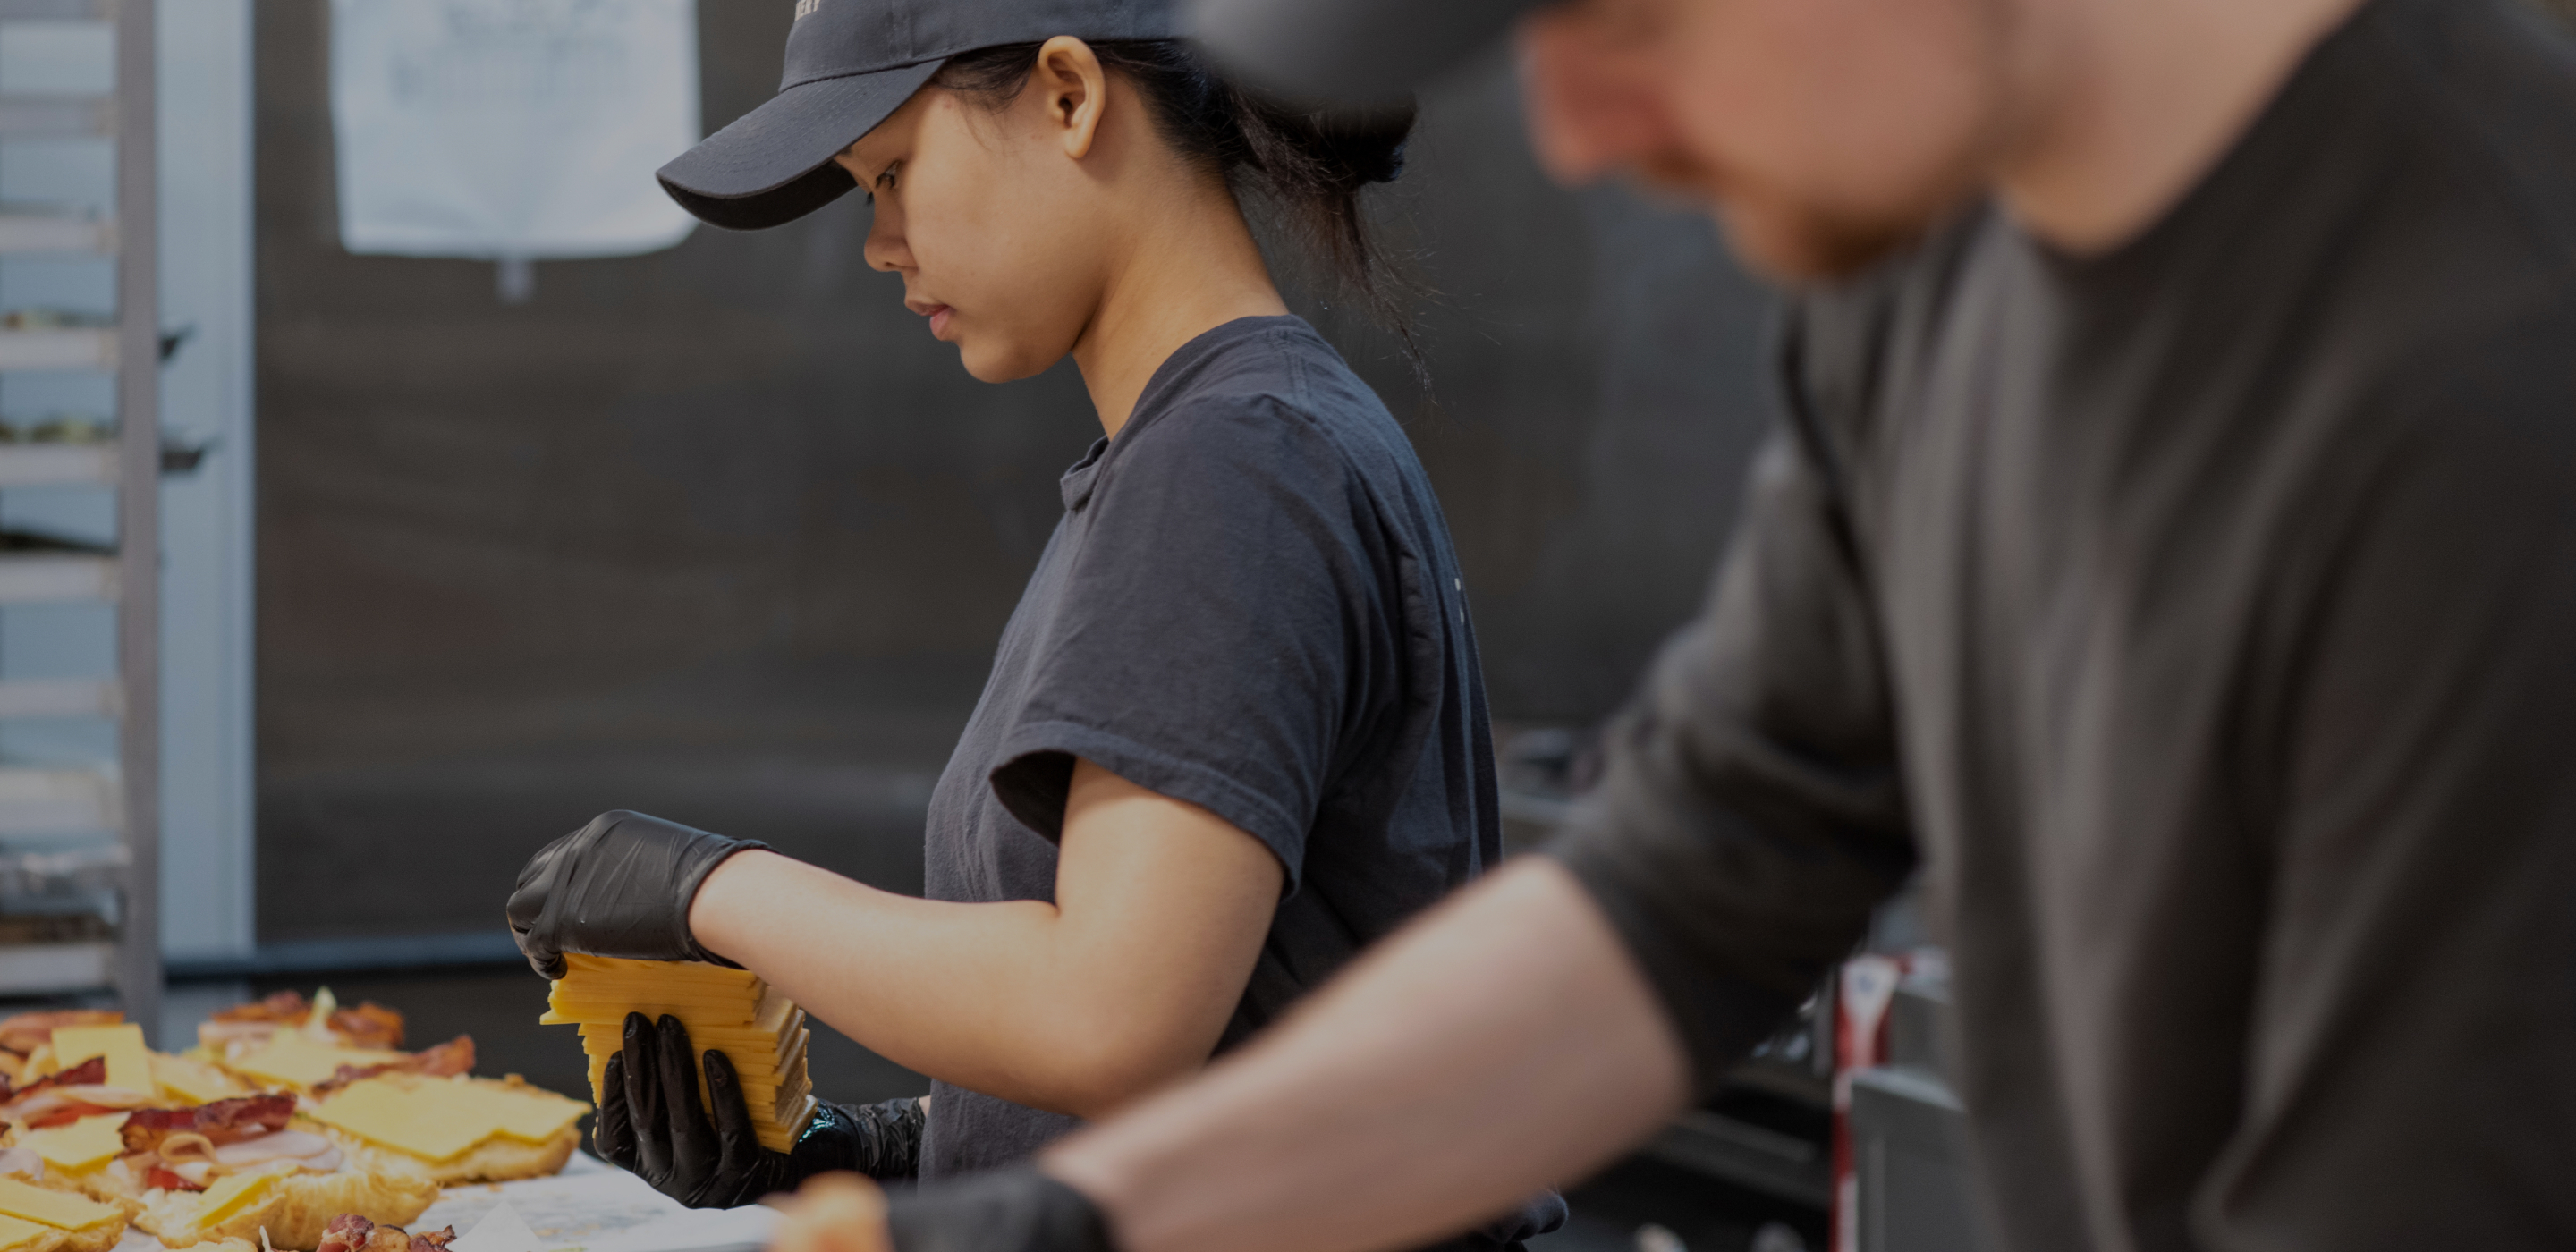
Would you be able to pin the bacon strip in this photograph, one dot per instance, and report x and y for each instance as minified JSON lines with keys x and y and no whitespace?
{"x":89,"y":1073}
{"x":224,"y":1121}
{"x":366,"y":1026}
{"x":346,"y":1233}
{"x":456,"y":1056}
{"x":65,"y":1114}
{"x":351,"y":1233}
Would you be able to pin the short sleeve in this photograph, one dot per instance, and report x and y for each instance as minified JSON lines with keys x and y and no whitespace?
{"x":1214,"y":629}
{"x":1750,"y":815}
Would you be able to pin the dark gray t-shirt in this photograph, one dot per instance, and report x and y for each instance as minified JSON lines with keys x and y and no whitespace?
{"x":2203,"y":615}
{"x":1251,"y":604}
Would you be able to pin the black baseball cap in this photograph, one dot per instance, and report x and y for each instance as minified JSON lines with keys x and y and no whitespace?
{"x":1349,"y":52}
{"x":850,"y":64}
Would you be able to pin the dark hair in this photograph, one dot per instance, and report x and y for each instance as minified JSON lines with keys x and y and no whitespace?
{"x":1308,"y":166}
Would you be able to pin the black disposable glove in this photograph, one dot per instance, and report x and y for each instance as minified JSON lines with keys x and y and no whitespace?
{"x":620,"y":886}
{"x":650,"y":1123}
{"x":1011,"y":1210}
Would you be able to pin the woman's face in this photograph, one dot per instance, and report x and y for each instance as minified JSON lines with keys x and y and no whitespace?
{"x":987,"y":214}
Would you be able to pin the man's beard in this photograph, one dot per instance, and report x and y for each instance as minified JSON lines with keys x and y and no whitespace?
{"x":1803,"y":244}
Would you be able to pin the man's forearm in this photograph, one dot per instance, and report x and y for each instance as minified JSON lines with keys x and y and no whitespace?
{"x":1498,"y":1046}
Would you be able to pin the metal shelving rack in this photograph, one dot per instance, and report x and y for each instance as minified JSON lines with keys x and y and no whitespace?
{"x":122,"y":798}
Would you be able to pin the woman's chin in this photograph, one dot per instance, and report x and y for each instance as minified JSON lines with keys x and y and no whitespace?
{"x":987,"y":363}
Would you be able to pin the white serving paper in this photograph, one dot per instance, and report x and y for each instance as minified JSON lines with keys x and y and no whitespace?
{"x":501,"y":1230}
{"x":590,"y":1207}
{"x":511,"y":129}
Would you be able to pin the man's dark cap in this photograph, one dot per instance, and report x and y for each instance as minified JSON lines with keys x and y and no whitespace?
{"x":1346,"y":52}
{"x":850,"y":64}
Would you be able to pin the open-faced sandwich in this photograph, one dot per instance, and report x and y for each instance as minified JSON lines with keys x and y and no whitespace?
{"x":237,"y":1167}
{"x":31,"y":1035}
{"x":449,"y":1126}
{"x":286,"y":1042}
{"x":41,"y":1216}
{"x":366,"y":1026}
{"x":416,"y":1113}
{"x":39,"y":1049}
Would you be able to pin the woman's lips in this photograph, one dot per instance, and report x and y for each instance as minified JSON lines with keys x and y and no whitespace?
{"x":939,"y":321}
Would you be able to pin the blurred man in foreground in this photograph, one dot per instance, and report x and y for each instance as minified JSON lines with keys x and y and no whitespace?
{"x":2170,"y":542}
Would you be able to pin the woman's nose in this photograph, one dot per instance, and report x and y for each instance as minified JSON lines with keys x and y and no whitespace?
{"x":885,"y":250}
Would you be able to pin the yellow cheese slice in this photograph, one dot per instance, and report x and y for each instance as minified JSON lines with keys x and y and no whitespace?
{"x":600,"y":1039}
{"x":54,"y":1208}
{"x":234,"y":1192}
{"x":295,"y":1058}
{"x":583,"y":966}
{"x":522,"y":1112}
{"x":17,"y":1232}
{"x":694,"y":1016}
{"x":190,"y":1079}
{"x":432,"y":1128}
{"x":440,"y":1120}
{"x":129,"y":1062}
{"x":782,"y":1136}
{"x":84,"y":1144}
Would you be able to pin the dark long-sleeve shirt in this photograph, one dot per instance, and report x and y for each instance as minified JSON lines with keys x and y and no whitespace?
{"x":2202,"y":618}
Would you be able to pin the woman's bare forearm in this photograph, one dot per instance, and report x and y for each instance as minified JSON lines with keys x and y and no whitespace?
{"x":1124,"y":982}
{"x":946,"y":989}
{"x":1501,"y":1045}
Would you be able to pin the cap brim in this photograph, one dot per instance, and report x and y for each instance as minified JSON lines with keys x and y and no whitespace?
{"x":1354,"y":52}
{"x":774,"y":164}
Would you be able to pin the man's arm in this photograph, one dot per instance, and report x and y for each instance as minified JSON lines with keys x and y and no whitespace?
{"x":1122,"y":984}
{"x":1499,"y":1045}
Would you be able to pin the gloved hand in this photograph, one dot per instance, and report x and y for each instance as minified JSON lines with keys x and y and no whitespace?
{"x":620,"y":886}
{"x":1011,"y":1210}
{"x":650,"y":1123}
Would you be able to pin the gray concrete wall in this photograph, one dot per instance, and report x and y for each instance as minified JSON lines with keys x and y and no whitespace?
{"x":721,"y":533}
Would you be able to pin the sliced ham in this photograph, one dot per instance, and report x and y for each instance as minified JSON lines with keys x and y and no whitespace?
{"x":283,"y":1145}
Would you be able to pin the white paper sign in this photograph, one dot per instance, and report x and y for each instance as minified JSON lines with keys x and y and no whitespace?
{"x":511,"y":128}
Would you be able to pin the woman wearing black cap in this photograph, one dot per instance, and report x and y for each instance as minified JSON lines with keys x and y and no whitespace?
{"x":1235,"y":729}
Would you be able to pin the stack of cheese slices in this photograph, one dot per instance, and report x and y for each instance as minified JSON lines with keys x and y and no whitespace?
{"x":726,"y":1010}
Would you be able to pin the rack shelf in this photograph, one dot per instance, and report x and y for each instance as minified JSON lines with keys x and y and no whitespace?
{"x":57,"y":464}
{"x":56,"y":801}
{"x":80,"y":349}
{"x":57,"y":117}
{"x":47,"y":968}
{"x":45,"y":232}
{"x":62,"y":697}
{"x":32,"y":875}
{"x":89,"y":918}
{"x":54,"y":578}
{"x":53,"y":10}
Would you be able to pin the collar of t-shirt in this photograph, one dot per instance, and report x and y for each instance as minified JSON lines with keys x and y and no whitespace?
{"x":1165,"y":390}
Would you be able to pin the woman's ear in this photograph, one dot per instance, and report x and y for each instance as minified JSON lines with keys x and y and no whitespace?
{"x":1075,"y":88}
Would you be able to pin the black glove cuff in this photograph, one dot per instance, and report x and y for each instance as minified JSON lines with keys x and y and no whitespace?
{"x":894,"y":1139}
{"x":1014,"y":1210}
